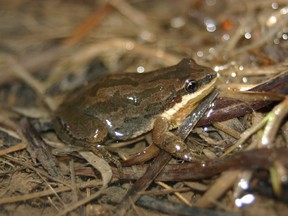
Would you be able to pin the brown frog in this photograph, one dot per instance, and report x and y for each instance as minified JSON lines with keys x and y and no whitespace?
{"x":125,"y":106}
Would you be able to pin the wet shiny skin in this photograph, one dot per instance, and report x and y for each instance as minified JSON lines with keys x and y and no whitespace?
{"x":124,"y":106}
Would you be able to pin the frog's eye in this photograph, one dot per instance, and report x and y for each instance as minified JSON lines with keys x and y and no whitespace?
{"x":190,"y":86}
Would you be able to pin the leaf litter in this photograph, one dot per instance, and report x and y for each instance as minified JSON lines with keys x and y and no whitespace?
{"x":49,"y":48}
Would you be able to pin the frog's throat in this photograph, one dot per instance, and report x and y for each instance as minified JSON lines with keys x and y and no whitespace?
{"x":180,"y":110}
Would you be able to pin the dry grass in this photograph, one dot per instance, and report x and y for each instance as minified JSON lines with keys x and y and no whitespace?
{"x":48,"y":48}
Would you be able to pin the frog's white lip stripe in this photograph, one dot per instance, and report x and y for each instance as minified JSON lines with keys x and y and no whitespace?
{"x":196,"y":96}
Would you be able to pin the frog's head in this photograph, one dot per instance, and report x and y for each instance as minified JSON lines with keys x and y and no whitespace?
{"x":191,"y":83}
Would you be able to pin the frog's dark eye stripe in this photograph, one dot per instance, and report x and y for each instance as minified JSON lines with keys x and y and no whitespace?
{"x":190,"y":86}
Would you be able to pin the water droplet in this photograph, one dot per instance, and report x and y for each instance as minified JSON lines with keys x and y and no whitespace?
{"x":248,"y":35}
{"x":284,"y":10}
{"x":200,"y":54}
{"x":245,"y":200}
{"x":243,"y":183}
{"x":129,"y":45}
{"x":210,"y":25}
{"x":271,"y":21}
{"x":233,"y":74}
{"x":274,"y":5}
{"x":226,"y":37}
{"x":177,"y":22}
{"x":140,"y":69}
{"x":210,"y":2}
{"x":244,"y":79}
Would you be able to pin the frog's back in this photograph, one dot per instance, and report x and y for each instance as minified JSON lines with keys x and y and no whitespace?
{"x":127,"y":105}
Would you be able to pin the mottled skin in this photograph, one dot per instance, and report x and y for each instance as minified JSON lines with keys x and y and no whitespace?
{"x":124,"y":106}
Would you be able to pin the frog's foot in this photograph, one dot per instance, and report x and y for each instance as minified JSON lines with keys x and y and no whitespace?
{"x":169,"y":142}
{"x":103,"y":152}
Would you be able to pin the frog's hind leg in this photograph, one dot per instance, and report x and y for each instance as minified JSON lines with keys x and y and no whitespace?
{"x":147,"y":154}
{"x":169,"y":142}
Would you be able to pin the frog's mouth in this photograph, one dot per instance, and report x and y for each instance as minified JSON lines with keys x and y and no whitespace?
{"x":180,"y":110}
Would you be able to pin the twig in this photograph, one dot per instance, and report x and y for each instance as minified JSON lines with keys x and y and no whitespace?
{"x":48,"y":192}
{"x":98,"y":15}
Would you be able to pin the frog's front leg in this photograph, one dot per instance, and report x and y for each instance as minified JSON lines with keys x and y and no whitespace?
{"x":169,"y":142}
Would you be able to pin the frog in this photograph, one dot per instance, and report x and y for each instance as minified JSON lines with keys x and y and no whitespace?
{"x":124,"y":106}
